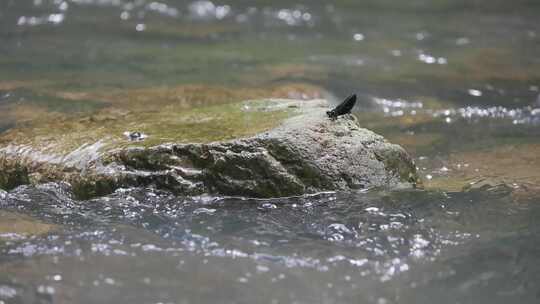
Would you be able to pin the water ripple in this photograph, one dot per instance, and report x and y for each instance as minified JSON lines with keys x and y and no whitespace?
{"x":529,"y":115}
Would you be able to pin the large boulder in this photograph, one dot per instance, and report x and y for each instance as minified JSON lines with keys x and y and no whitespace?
{"x":305,"y":152}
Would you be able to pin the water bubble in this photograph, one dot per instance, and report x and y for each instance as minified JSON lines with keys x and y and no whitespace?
{"x":124,"y":15}
{"x":56,"y":18}
{"x":396,"y":53}
{"x":262,"y":268}
{"x":336,"y":237}
{"x":282,"y":14}
{"x":202,"y":8}
{"x":358,"y":263}
{"x":267,"y":206}
{"x":222,"y":11}
{"x":358,"y":37}
{"x":163,"y":9}
{"x":119,"y":252}
{"x":207,"y":10}
{"x":241,"y":18}
{"x":151,"y":247}
{"x":462,"y":41}
{"x":340,"y":228}
{"x":33,"y":21}
{"x":474,"y":92}
{"x":382,"y":301}
{"x":292,"y":17}
{"x":204,"y":211}
{"x":372,"y":209}
{"x":45,"y":289}
{"x":427,"y":58}
{"x":63,"y":6}
{"x":242,"y":280}
{"x":7,"y":292}
{"x":21,"y":21}
{"x":419,"y":244}
{"x":140,"y":27}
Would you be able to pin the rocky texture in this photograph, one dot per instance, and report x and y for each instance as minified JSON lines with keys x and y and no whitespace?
{"x":306,"y":153}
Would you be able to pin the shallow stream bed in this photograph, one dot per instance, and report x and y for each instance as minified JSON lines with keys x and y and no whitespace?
{"x":456,"y":83}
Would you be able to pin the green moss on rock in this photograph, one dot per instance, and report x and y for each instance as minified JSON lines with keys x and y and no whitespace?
{"x":258,"y":148}
{"x":12,"y":174}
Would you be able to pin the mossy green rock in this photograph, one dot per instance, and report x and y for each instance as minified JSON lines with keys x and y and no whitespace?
{"x":299,"y":150}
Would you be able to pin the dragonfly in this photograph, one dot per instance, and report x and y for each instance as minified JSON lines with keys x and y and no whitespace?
{"x":343,"y":108}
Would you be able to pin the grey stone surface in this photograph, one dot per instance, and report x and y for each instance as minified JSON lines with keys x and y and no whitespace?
{"x":307,"y":153}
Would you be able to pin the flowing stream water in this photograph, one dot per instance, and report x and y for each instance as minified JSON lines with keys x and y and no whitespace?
{"x":457,"y":83}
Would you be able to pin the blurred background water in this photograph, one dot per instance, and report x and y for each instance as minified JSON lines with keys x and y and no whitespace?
{"x":457,"y":83}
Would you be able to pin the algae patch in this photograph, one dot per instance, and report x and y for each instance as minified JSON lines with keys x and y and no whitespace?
{"x":16,"y":226}
{"x":166,"y":114}
{"x":168,"y":124}
{"x":513,"y":167}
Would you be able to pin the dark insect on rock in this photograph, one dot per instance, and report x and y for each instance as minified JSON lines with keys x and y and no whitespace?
{"x":343,"y":108}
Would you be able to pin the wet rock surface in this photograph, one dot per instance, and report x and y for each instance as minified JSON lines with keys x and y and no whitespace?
{"x":306,"y":153}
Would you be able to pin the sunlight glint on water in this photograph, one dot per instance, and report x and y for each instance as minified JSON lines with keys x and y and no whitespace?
{"x":456,"y":83}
